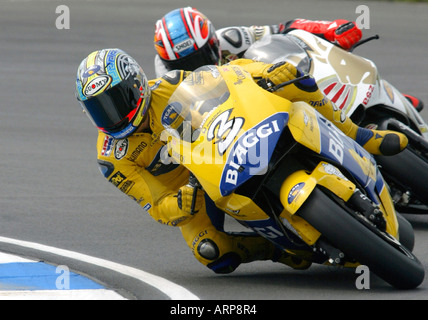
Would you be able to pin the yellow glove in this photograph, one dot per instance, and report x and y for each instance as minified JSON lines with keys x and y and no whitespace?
{"x":268,"y":75}
{"x":278,"y":73}
{"x":175,"y":210}
{"x":300,"y":90}
{"x":185,"y":199}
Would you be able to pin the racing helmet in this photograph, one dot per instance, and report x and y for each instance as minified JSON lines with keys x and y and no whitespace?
{"x":113,"y":91}
{"x":185,"y":39}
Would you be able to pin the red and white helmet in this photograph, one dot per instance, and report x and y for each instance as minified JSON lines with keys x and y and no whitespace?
{"x":185,"y":39}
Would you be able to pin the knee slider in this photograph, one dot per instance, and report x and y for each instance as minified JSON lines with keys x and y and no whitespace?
{"x":227,"y":263}
{"x":207,"y":249}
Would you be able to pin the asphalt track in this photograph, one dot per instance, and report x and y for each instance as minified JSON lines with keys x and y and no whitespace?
{"x":51,"y":192}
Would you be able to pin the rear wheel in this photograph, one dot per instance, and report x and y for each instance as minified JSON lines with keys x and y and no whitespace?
{"x":379,"y":251}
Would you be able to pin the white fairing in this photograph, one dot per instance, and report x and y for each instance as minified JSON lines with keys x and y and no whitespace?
{"x":345,"y":78}
{"x":350,"y":80}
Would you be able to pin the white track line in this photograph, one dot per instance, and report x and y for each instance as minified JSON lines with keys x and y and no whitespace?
{"x":172,"y":290}
{"x":88,"y":294}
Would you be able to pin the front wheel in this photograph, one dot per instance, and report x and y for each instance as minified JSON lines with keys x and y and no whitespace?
{"x":408,"y":171}
{"x":379,"y":251}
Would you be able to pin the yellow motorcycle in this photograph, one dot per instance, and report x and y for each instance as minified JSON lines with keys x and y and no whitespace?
{"x":286,"y":172}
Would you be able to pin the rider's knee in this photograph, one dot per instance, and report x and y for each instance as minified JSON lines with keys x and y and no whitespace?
{"x":217,"y":255}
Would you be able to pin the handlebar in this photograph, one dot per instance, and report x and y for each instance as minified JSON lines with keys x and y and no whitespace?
{"x":286,"y":83}
{"x":375,"y":37}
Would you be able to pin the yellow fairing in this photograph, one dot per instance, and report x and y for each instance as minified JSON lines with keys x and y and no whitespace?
{"x":389,"y":212}
{"x":202,"y":151}
{"x":241,"y":208}
{"x":205,"y":147}
{"x":298,"y":186}
{"x":304,"y":126}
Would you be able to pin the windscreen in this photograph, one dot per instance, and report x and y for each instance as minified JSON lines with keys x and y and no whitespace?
{"x":280,"y":47}
{"x":196,"y":97}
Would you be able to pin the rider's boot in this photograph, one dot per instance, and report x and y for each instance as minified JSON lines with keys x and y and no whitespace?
{"x":223,"y":252}
{"x":260,"y":249}
{"x":291,"y":260}
{"x":377,"y":142}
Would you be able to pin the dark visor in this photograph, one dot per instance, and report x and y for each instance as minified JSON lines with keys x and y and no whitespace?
{"x":109,"y":108}
{"x":207,"y":55}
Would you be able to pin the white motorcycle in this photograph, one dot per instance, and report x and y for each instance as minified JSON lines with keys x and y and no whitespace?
{"x":355,"y":86}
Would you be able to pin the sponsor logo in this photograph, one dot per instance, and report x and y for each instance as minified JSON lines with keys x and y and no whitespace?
{"x":186,"y":44}
{"x":294,"y":192}
{"x":147,"y":206}
{"x":107,"y":146}
{"x":127,"y":186}
{"x":96,"y":85}
{"x":117,"y":178}
{"x":171,"y":113}
{"x":136,"y":153}
{"x":251,"y":153}
{"x":91,"y":71}
{"x":121,"y":149}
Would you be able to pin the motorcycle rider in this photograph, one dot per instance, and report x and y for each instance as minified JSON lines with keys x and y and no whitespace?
{"x":186,"y":39}
{"x":127,"y":109}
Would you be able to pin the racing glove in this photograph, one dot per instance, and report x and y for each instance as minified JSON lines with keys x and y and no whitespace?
{"x":185,"y":199}
{"x":176,"y":208}
{"x":346,"y":34}
{"x":343,"y":32}
{"x":301,"y":90}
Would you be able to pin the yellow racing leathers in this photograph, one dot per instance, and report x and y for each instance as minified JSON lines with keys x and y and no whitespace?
{"x":139,"y":166}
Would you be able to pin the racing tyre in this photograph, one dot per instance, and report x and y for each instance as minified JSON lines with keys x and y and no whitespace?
{"x":406,"y":232}
{"x":379,"y":251}
{"x":408,"y":170}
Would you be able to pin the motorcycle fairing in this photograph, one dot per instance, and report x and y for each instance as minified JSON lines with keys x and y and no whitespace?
{"x":241,"y":113}
{"x":317,"y":133}
{"x":250,"y":154}
{"x":233,"y":126}
{"x":269,"y":229}
{"x":350,"y":81}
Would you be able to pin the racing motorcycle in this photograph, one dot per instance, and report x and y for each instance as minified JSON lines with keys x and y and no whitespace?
{"x":354,"y":85}
{"x":288,"y":174}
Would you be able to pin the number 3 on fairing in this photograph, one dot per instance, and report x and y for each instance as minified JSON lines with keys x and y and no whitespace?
{"x":224,"y":125}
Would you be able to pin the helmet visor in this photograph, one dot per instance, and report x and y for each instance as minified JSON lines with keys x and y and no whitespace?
{"x":110,"y":109}
{"x":207,"y":55}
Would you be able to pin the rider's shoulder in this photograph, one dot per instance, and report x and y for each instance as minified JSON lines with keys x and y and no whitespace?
{"x":235,"y":39}
{"x":111,"y":149}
